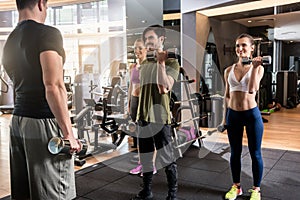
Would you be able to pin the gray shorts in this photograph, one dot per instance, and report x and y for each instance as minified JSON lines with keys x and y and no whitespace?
{"x":35,"y":173}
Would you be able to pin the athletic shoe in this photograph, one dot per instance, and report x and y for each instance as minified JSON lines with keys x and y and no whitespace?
{"x":233,"y":193}
{"x":255,"y":195}
{"x":137,"y":169}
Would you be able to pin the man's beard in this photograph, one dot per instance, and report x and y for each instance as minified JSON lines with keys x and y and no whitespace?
{"x":150,"y":46}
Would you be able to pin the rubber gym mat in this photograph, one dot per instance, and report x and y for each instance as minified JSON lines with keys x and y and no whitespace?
{"x":202,"y":174}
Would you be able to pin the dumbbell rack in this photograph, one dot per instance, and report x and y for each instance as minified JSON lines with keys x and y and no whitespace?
{"x":193,"y":101}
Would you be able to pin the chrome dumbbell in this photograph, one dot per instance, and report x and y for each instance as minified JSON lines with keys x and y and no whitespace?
{"x":57,"y":145}
{"x":266,"y":60}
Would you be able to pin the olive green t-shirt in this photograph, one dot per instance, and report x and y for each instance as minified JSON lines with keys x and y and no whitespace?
{"x":153,"y":106}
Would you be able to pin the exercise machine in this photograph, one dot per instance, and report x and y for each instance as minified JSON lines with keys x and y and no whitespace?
{"x":7,"y":94}
{"x":104,"y":117}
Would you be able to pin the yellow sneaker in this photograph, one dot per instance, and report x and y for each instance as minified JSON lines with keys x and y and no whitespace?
{"x":255,"y":195}
{"x":233,"y":193}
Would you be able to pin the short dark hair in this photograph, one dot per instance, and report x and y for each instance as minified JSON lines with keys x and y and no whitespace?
{"x":21,"y":4}
{"x":158,"y":29}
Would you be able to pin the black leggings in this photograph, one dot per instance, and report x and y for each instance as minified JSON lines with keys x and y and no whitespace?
{"x":134,"y":103}
{"x":252,"y":120}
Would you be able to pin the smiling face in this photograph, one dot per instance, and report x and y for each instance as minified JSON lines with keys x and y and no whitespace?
{"x":152,"y":41}
{"x":140,"y":50}
{"x":244,"y":47}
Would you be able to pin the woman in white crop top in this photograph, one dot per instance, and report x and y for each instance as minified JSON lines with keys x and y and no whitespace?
{"x":240,"y":111}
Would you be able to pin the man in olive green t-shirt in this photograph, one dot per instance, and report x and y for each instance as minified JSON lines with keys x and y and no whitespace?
{"x":157,"y":77}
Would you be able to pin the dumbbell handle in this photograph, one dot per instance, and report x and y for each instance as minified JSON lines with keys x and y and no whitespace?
{"x":222,"y":128}
{"x":58,"y":145}
{"x":171,"y":53}
{"x":266,"y":60}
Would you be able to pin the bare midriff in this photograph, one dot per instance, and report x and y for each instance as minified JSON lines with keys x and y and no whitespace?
{"x":135,"y":90}
{"x":241,"y":101}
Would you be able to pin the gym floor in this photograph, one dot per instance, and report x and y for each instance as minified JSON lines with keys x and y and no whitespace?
{"x":281,"y":134}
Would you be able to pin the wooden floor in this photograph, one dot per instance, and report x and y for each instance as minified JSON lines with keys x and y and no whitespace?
{"x":281,"y":132}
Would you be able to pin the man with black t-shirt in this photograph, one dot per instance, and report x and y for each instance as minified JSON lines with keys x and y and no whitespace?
{"x":33,"y":58}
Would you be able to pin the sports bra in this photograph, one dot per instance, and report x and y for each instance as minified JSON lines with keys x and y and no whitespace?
{"x":241,"y":85}
{"x":135,"y":75}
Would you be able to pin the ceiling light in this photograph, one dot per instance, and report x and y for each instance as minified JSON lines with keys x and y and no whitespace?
{"x":249,"y":21}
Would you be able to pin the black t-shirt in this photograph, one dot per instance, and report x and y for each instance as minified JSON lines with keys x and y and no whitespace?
{"x":21,"y":60}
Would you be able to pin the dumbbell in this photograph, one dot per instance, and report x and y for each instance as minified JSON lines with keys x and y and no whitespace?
{"x":221,"y":128}
{"x":132,"y":127}
{"x":171,"y":53}
{"x":266,"y":60}
{"x":57,"y":145}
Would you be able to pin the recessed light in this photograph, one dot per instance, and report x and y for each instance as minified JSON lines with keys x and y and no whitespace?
{"x":144,"y":21}
{"x":249,"y":21}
